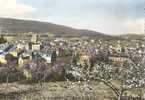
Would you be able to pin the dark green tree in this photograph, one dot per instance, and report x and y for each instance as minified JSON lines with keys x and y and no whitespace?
{"x":2,"y":39}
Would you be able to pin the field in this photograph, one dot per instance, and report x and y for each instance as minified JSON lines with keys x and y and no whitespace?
{"x":58,"y":91}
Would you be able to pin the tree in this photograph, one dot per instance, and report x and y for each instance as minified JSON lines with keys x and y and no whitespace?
{"x":2,"y":40}
{"x":10,"y":69}
{"x":130,"y":76}
{"x":35,"y":70}
{"x":78,"y":73}
{"x":39,"y":71}
{"x":50,"y":35}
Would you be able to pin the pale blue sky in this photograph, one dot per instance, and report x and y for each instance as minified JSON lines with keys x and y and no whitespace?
{"x":107,"y":16}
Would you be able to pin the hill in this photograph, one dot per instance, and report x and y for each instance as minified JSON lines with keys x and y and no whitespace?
{"x":21,"y":26}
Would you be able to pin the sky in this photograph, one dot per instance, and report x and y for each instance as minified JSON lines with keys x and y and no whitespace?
{"x":106,"y":16}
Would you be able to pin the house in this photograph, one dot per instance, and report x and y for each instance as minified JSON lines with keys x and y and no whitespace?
{"x":3,"y":47}
{"x":84,"y":59}
{"x":13,"y":51}
{"x":35,"y":44}
{"x":45,"y":45}
{"x":35,"y":38}
{"x":118,"y":58}
{"x":11,"y":60}
{"x":47,"y":57}
{"x":23,"y":46}
{"x":23,"y":60}
{"x":2,"y":59}
{"x":102,"y":56}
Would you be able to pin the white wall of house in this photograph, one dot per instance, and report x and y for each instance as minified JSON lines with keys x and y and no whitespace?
{"x":21,"y":46}
{"x":35,"y":47}
{"x":47,"y":57}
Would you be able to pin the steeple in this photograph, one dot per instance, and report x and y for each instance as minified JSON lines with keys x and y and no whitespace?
{"x":35,"y":38}
{"x":118,"y":47}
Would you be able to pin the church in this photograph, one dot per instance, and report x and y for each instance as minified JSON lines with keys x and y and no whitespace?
{"x":35,"y":43}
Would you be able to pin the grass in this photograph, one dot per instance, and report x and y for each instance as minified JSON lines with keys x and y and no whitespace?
{"x":55,"y":91}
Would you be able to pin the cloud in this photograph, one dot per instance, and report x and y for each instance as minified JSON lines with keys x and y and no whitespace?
{"x":108,"y":16}
{"x":12,"y":8}
{"x":136,"y":25}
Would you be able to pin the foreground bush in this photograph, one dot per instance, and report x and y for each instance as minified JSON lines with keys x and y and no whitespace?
{"x":41,"y":71}
{"x":10,"y":75}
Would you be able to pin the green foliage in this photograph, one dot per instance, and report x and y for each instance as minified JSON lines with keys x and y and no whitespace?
{"x":76,"y":58}
{"x":50,"y":35}
{"x":2,"y":40}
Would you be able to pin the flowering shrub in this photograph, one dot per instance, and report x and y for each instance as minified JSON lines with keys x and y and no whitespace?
{"x":39,"y":70}
{"x":130,"y":75}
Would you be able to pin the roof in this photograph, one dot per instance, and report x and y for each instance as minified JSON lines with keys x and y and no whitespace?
{"x":118,"y":55}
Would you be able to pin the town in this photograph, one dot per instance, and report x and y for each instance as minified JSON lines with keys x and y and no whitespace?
{"x":50,"y":58}
{"x":72,"y":50}
{"x":61,"y":48}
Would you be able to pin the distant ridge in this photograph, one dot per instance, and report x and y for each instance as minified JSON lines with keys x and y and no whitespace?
{"x":21,"y":26}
